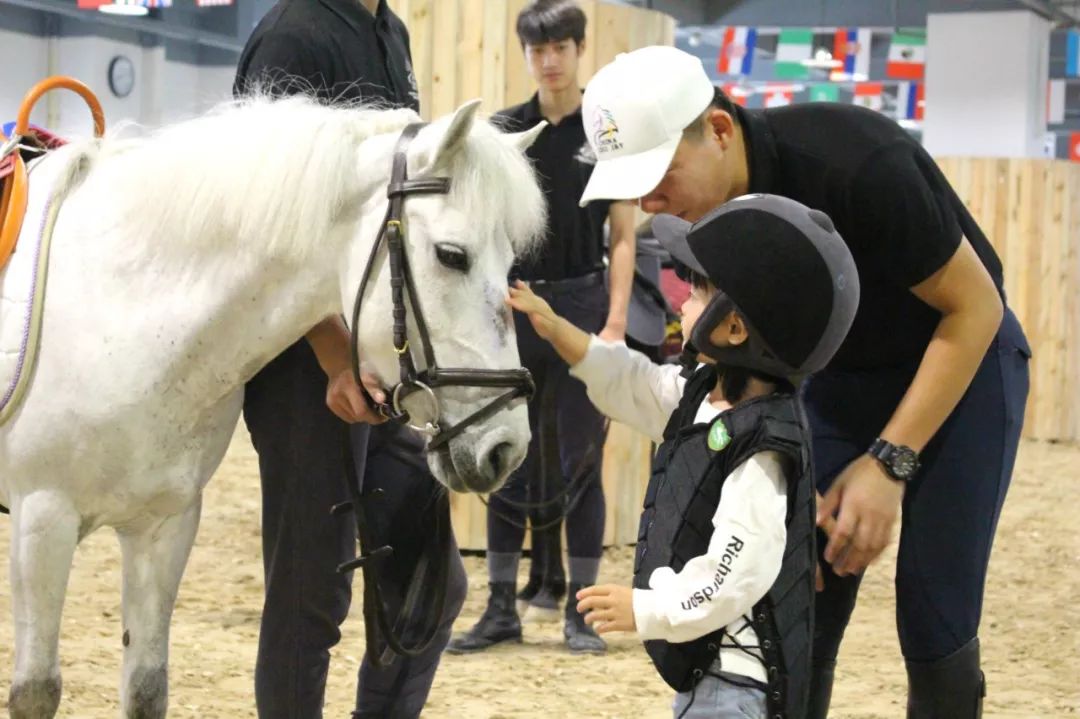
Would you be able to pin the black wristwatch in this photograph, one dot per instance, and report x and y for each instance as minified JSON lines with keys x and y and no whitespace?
{"x":899,"y":461}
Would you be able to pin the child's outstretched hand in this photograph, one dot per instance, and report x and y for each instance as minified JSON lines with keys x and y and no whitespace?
{"x":609,"y":607}
{"x":539,"y":312}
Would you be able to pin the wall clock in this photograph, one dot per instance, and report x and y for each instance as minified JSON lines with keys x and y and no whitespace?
{"x":121,"y":76}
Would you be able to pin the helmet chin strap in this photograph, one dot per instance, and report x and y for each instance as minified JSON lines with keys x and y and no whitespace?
{"x":714,"y":313}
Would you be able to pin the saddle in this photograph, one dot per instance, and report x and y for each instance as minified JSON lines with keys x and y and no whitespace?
{"x":25,"y":143}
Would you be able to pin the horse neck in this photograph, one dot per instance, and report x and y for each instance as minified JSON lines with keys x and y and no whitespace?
{"x":228,"y":316}
{"x":278,"y":300}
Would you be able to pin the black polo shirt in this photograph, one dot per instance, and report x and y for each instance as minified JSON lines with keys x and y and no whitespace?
{"x":335,"y":47}
{"x":574,"y":242}
{"x":889,"y":201}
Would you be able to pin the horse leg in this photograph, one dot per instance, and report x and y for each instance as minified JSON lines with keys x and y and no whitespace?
{"x":154,"y":561}
{"x":45,"y":531}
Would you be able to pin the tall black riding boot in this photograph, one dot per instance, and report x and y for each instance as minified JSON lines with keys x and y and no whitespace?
{"x":821,"y":682}
{"x":499,"y":623}
{"x":949,"y":688}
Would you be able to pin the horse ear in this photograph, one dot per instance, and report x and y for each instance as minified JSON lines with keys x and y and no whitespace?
{"x":524,"y":140}
{"x":456,"y":133}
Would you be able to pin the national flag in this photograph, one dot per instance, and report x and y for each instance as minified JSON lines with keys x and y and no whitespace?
{"x":779,"y":96}
{"x":1055,"y":102}
{"x":868,"y":94}
{"x":825,"y":92}
{"x":851,"y":46}
{"x":907,"y":56}
{"x":736,"y":51}
{"x":1074,"y":146}
{"x":737,"y":94}
{"x":909,"y":101}
{"x":1072,"y":53}
{"x":795,"y":45}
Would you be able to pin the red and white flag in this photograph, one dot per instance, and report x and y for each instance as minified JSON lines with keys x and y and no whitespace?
{"x":737,"y":94}
{"x":868,"y":94}
{"x":1074,"y":146}
{"x":779,"y":96}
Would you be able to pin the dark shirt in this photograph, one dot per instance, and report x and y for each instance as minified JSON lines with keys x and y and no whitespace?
{"x":889,"y":201}
{"x":334,"y":47}
{"x":574,"y":241}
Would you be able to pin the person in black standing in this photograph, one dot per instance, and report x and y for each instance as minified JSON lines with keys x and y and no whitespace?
{"x":561,"y":472}
{"x":303,"y":407}
{"x":922,"y":405}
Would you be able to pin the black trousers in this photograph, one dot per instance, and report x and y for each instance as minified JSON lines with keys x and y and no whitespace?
{"x":300,"y":447}
{"x":567,"y":441}
{"x":950,"y":509}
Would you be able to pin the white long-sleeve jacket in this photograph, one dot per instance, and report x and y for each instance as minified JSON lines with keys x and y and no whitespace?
{"x":749,"y":532}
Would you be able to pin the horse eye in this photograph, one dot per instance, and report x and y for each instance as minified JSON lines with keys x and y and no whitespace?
{"x":452,"y":256}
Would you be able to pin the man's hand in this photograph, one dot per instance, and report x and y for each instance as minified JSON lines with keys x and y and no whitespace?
{"x":868,"y":500}
{"x":609,"y":607}
{"x":344,"y":398}
{"x":827,"y":525}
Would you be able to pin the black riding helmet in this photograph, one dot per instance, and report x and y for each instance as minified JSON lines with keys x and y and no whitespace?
{"x":783,"y":268}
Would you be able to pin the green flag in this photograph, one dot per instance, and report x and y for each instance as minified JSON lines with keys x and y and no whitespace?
{"x":825,"y":92}
{"x":795,"y":45}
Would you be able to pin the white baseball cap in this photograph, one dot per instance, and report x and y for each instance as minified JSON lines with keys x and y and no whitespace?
{"x":635,"y":110}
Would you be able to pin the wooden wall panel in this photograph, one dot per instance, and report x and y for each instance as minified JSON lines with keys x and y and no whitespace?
{"x":1030,"y":211}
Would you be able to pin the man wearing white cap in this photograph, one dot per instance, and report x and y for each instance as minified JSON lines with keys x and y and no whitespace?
{"x":922,"y":405}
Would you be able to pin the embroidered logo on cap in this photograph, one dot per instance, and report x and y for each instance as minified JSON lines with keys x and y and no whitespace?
{"x":605,"y":132}
{"x":718,"y":436}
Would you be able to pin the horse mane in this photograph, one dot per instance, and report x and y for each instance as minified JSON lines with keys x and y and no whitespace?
{"x":279,"y":173}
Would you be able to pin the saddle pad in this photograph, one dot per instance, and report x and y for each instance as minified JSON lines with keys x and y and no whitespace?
{"x":22,"y":285}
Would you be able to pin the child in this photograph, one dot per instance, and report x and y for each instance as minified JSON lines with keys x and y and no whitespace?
{"x":724,"y":570}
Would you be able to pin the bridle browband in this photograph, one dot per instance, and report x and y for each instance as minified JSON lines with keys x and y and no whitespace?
{"x":518,"y":382}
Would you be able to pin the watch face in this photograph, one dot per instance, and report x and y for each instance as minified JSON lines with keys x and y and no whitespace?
{"x":904,"y":463}
{"x":121,"y":76}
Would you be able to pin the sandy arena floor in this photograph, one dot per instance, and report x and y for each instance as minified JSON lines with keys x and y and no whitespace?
{"x":1031,"y":640}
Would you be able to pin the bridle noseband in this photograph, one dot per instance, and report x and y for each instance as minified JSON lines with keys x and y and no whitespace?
{"x":518,"y":382}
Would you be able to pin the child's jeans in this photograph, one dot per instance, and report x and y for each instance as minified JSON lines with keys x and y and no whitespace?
{"x":716,"y":697}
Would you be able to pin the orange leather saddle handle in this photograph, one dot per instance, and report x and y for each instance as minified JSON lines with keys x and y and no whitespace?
{"x":14,"y":196}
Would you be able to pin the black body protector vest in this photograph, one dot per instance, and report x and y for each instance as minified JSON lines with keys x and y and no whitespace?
{"x":676,"y":526}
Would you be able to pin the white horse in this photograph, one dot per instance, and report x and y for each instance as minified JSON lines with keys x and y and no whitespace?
{"x":182,"y":263}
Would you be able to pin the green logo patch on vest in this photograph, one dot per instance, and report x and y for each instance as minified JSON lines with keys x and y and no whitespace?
{"x":718,"y":436}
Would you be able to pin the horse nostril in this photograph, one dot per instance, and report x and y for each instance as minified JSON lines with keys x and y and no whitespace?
{"x":498,"y":458}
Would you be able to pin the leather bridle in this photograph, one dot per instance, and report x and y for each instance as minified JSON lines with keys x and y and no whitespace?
{"x":518,"y":382}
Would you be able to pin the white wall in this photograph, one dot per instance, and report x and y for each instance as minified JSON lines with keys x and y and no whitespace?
{"x":986,"y":84}
{"x":165,"y":91}
{"x":22,"y":57}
